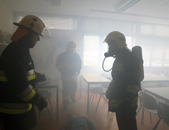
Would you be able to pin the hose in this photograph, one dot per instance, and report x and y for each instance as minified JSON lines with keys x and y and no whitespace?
{"x":103,"y":65}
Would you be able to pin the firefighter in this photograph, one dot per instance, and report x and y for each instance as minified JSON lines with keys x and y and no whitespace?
{"x":69,"y":65}
{"x":123,"y":89}
{"x":18,"y":97}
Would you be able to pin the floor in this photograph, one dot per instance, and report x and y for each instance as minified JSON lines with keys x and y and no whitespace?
{"x":102,"y":119}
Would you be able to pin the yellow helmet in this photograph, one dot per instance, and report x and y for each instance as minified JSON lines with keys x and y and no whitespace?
{"x":118,"y":37}
{"x":32,"y":22}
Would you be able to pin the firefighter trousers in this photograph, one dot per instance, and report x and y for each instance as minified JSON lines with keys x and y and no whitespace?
{"x":126,"y":119}
{"x":69,"y":88}
{"x":24,"y":121}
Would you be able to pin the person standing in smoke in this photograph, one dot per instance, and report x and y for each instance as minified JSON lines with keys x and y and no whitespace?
{"x":123,"y":89}
{"x":19,"y":100}
{"x":69,"y":65}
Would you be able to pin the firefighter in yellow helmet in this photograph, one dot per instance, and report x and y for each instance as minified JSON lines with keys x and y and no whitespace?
{"x":18,"y":96}
{"x":123,"y":89}
{"x":69,"y":65}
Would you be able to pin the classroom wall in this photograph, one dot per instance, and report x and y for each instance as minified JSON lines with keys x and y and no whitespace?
{"x":6,"y":17}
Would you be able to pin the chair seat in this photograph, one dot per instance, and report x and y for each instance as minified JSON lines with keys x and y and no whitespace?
{"x":97,"y":90}
{"x":152,"y":111}
{"x":164,"y":113}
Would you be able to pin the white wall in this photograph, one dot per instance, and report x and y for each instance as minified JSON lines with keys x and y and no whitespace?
{"x":6,"y":18}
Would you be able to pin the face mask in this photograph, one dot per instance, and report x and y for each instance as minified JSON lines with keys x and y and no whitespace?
{"x":109,"y":54}
{"x":112,"y":51}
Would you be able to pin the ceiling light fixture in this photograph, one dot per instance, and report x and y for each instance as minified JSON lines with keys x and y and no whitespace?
{"x":55,"y":2}
{"x":125,"y":5}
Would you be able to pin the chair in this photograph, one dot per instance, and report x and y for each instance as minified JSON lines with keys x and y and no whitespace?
{"x":102,"y":94}
{"x":42,"y":79}
{"x":47,"y":95}
{"x":149,"y":104}
{"x":97,"y":90}
{"x":164,"y":113}
{"x":140,"y":103}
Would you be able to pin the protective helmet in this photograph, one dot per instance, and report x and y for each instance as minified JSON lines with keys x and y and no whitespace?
{"x":118,"y":37}
{"x":71,"y":44}
{"x":32,"y":22}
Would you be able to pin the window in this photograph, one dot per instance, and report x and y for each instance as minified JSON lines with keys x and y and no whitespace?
{"x":146,"y":45}
{"x":146,"y":29}
{"x":129,"y":42}
{"x":63,"y":23}
{"x":153,"y":39}
{"x":94,"y":50}
{"x":162,"y":31}
{"x":158,"y":53}
{"x":91,"y":51}
{"x":155,"y":51}
{"x":166,"y":60}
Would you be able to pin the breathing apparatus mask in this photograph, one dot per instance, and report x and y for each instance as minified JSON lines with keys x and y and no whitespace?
{"x":106,"y":55}
{"x":112,"y":51}
{"x":115,"y":41}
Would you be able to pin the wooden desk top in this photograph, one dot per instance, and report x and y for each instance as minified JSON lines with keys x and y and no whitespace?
{"x":161,"y":92}
{"x":95,"y":78}
{"x":51,"y":82}
{"x":154,"y":78}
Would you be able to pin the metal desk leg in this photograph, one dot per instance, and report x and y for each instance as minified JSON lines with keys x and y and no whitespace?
{"x":80,"y":85}
{"x":57,"y":103}
{"x":88,"y":98}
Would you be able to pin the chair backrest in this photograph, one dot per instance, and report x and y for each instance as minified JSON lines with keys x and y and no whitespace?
{"x":139,"y":96}
{"x":148,"y":101}
{"x":164,"y":112}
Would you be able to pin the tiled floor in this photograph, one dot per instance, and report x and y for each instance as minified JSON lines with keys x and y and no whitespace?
{"x":101,"y":118}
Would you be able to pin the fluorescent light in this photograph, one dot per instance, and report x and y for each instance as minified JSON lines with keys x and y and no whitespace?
{"x":55,"y":2}
{"x":121,"y":4}
{"x":125,"y":5}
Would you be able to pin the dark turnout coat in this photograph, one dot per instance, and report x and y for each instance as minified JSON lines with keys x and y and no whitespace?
{"x":17,"y":80}
{"x":69,"y":65}
{"x":123,"y":89}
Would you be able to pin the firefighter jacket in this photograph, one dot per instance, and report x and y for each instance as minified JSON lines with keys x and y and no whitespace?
{"x":69,"y":65}
{"x":17,"y":80}
{"x":125,"y":81}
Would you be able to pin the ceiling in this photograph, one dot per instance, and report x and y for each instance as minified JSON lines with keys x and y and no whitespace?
{"x":99,"y":8}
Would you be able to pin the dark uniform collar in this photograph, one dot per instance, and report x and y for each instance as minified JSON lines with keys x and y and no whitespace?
{"x":122,"y":52}
{"x":23,"y":44}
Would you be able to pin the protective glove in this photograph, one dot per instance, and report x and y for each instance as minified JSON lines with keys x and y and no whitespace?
{"x":42,"y":104}
{"x":40,"y":77}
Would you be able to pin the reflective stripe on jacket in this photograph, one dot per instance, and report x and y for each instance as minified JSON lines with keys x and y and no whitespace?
{"x":31,"y":75}
{"x":27,"y":94}
{"x":14,"y":108}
